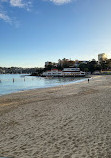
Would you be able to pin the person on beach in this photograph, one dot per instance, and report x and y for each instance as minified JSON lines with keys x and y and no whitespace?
{"x":88,"y":80}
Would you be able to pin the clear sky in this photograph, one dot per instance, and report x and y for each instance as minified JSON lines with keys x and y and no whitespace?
{"x":35,"y":31}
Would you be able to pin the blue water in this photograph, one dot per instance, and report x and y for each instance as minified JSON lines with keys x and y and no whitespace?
{"x":23,"y":82}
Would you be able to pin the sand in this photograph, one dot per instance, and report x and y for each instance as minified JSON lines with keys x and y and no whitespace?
{"x":71,"y":121}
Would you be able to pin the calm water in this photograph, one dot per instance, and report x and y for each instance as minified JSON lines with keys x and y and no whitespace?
{"x":22,"y":82}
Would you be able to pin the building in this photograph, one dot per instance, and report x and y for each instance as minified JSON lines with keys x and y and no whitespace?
{"x":102,"y":57}
{"x":66,"y":72}
{"x":73,"y":72}
{"x":53,"y":72}
{"x":50,"y":64}
{"x":66,"y":63}
{"x":84,"y":62}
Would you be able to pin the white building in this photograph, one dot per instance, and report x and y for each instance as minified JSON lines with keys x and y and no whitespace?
{"x":53,"y":72}
{"x":102,"y":57}
{"x":65,"y":72}
{"x":73,"y":72}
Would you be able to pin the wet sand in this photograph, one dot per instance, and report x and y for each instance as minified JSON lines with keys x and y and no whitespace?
{"x":71,"y":121}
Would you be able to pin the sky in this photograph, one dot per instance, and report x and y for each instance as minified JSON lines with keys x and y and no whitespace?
{"x":35,"y":31}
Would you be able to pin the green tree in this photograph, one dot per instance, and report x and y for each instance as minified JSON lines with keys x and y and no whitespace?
{"x":93,"y":66}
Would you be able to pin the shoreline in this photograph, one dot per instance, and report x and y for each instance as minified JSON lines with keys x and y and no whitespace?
{"x":65,"y":83}
{"x":69,"y":121}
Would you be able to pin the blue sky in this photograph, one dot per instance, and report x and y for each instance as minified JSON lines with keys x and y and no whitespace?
{"x":35,"y":31}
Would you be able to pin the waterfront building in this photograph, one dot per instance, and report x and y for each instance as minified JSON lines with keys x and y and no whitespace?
{"x":66,"y":72}
{"x":53,"y":72}
{"x":73,"y":72}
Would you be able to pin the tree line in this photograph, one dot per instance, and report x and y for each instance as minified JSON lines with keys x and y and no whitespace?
{"x":89,"y":66}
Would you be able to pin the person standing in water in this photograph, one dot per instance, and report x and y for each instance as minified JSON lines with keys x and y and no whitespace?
{"x":88,"y":80}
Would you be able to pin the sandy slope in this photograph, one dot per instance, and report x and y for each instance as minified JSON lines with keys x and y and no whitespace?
{"x":72,"y":121}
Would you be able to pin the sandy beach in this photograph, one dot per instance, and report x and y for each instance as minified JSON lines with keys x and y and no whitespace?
{"x":71,"y":121}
